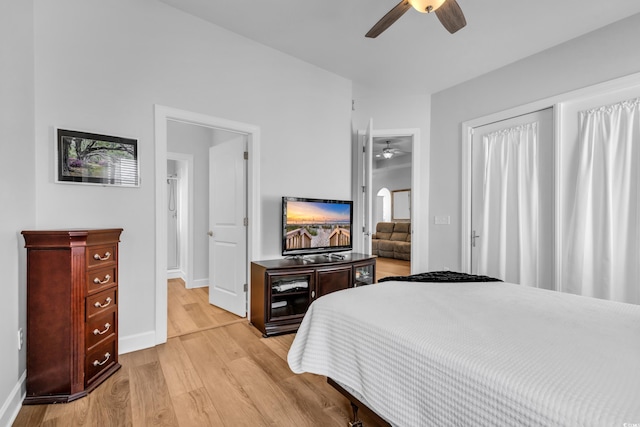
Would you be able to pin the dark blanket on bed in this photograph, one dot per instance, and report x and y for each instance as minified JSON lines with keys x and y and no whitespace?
{"x":441,"y":276}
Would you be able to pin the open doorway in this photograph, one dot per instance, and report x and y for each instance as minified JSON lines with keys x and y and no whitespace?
{"x":199,"y":179}
{"x":391,"y":175}
{"x":164,"y":116}
{"x":391,"y":165}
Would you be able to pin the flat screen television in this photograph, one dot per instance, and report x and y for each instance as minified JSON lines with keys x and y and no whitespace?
{"x":316,"y":226}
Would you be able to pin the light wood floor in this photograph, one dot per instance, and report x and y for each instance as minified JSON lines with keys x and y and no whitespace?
{"x":189,"y":310}
{"x":391,"y":267}
{"x":225,"y":376}
{"x":214,"y":370}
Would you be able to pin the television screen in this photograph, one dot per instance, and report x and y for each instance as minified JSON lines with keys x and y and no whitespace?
{"x":315,"y":226}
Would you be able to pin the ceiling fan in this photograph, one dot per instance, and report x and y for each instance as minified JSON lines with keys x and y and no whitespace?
{"x":388,"y":152}
{"x":447,"y":11}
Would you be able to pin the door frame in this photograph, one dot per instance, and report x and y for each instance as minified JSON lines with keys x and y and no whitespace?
{"x":467,"y":140}
{"x":419,"y":205}
{"x":162,"y":115}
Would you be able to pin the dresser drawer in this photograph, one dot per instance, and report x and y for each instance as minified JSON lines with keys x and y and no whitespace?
{"x":98,"y":256}
{"x":98,"y":360}
{"x":101,"y":279}
{"x":101,"y":328}
{"x":101,"y":302}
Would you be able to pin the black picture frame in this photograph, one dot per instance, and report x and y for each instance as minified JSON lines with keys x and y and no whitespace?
{"x":90,"y":158}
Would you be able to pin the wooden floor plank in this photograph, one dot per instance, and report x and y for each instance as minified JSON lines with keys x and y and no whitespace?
{"x":230,"y":400}
{"x":31,"y":415}
{"x":151,"y":403}
{"x":267,"y":396}
{"x":279,"y":344}
{"x":110,"y":405}
{"x":195,"y":409}
{"x":179,"y":373}
{"x":189,"y":310}
{"x":392,"y":267}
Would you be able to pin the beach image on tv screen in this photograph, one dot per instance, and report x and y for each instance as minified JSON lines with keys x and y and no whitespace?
{"x":317,"y":225}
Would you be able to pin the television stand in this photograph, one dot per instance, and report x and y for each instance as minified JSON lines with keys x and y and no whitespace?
{"x":283,"y":289}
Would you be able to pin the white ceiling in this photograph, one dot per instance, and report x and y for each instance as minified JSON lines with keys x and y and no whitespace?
{"x":415,"y":52}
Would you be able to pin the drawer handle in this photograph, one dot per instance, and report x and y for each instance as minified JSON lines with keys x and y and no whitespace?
{"x":107,"y":326}
{"x":102,"y":282}
{"x":106,"y":256}
{"x":106,"y":357}
{"x":99,"y":305}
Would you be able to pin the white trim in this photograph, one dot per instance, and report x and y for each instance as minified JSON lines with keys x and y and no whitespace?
{"x":177,"y":274}
{"x":200,"y":283}
{"x":465,"y":213}
{"x":11,"y":406}
{"x":162,"y":115}
{"x":556,"y":102}
{"x":131,"y":343}
{"x":557,"y":208}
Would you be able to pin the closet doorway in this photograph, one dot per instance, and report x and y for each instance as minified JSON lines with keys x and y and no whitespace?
{"x":512,"y":199}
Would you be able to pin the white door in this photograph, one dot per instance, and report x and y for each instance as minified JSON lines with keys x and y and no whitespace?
{"x":227,"y":235}
{"x":367,"y":198}
{"x":512,"y":207}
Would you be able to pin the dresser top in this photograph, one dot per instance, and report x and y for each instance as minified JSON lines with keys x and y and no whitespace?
{"x":71,"y":237}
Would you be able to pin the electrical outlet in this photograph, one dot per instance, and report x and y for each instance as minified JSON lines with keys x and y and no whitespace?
{"x":20,"y":338}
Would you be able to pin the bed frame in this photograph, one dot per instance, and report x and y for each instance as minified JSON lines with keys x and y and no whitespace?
{"x":356,"y":404}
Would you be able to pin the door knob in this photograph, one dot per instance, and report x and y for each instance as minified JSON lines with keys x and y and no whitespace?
{"x":210,"y":233}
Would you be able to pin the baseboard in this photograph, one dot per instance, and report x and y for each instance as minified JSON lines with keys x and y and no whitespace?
{"x":12,"y":405}
{"x":176,"y":274}
{"x":136,"y":342}
{"x":200,"y":283}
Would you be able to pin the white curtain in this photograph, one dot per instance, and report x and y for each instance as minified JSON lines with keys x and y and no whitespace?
{"x":509,"y":234}
{"x":602,"y":223}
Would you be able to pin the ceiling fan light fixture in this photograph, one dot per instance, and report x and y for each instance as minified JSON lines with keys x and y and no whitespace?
{"x":426,"y":6}
{"x":387,"y":153}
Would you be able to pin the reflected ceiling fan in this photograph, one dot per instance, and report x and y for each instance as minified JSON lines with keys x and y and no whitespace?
{"x":388,"y":152}
{"x":447,"y":11}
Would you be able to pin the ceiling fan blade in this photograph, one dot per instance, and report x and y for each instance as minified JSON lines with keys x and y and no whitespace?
{"x":392,"y":16}
{"x":451,"y":16}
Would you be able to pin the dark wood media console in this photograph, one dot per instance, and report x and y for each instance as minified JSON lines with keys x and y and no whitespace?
{"x":283,"y":289}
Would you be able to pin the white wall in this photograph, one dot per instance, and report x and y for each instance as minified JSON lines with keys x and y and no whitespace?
{"x":101,"y":66}
{"x":17,"y":185}
{"x":602,"y":55}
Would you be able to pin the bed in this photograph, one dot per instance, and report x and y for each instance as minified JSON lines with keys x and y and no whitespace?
{"x":476,"y":353}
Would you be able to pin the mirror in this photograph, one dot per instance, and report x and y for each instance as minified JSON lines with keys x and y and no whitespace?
{"x":401,"y":204}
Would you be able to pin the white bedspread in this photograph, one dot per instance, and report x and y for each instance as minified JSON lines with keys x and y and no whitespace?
{"x":472,"y":354}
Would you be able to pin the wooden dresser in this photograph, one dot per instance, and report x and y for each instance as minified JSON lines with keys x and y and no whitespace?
{"x":72,"y":312}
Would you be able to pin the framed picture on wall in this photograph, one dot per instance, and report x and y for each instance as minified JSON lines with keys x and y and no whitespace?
{"x":89,"y":158}
{"x":401,"y":205}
